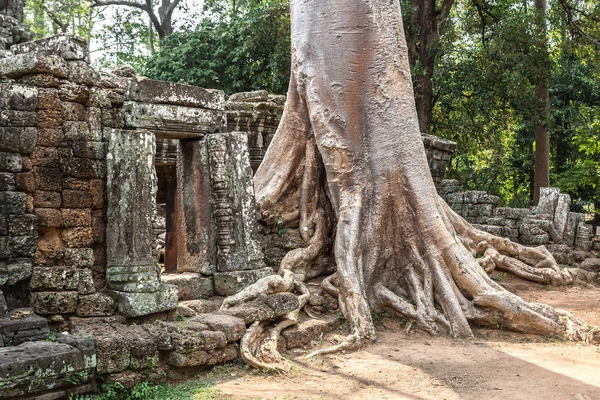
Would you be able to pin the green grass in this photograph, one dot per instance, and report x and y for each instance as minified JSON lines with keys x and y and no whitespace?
{"x":194,"y":390}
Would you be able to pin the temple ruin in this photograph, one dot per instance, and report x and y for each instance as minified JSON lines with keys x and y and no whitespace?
{"x":127,"y":204}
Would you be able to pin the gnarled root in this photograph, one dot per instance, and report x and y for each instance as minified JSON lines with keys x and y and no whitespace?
{"x":258,"y":347}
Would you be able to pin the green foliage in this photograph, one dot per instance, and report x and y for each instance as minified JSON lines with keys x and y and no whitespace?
{"x":195,"y":390}
{"x":46,"y":18}
{"x":485,"y":99}
{"x":234,"y":52}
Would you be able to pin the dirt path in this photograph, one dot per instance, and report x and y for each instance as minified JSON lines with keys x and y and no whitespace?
{"x":496,"y":365}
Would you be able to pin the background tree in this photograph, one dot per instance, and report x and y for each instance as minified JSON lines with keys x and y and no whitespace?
{"x":424,"y":22}
{"x":233,"y":49}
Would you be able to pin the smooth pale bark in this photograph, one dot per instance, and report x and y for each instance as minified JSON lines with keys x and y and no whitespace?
{"x":348,"y":162}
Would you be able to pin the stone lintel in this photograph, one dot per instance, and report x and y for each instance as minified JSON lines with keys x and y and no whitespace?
{"x":160,"y":92}
{"x":173,"y":121}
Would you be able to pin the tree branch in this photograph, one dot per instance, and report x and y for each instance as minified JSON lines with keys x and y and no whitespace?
{"x":172,"y":7}
{"x":55,"y":18}
{"x":127,"y":3}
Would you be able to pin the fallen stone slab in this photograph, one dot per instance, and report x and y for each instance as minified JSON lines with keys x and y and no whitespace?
{"x":37,"y":367}
{"x":138,"y":304}
{"x":264,"y":308}
{"x":22,"y":325}
{"x":233,"y":327}
{"x":201,"y":357}
{"x":309,"y":330}
{"x":591,"y":264}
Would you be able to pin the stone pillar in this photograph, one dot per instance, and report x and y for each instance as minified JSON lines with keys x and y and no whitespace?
{"x":239,"y":256}
{"x":132,"y":275}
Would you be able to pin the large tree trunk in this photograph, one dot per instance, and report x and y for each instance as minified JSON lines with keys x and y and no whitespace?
{"x":349,"y":141}
{"x":541,"y":177}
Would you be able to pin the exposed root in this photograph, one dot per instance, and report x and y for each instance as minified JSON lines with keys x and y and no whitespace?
{"x":351,"y":343}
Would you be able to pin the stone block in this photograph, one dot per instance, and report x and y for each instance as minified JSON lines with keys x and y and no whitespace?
{"x":76,"y":184}
{"x":77,"y":130}
{"x":570,"y":231}
{"x":561,"y":212}
{"x":22,"y":225}
{"x":76,"y":217}
{"x":81,"y":257}
{"x":76,"y":199}
{"x":40,"y":80}
{"x":143,"y":350}
{"x":22,"y":325}
{"x":160,"y":92}
{"x":98,"y":226}
{"x":201,"y":357}
{"x":583,"y":238}
{"x":96,"y":305}
{"x":26,"y":64}
{"x":72,"y":111}
{"x":49,"y":217}
{"x":77,"y":237}
{"x":112,"y":350}
{"x":230,"y":283}
{"x":18,"y":97}
{"x":181,"y":121}
{"x":49,"y":119}
{"x":191,"y":286}
{"x":204,"y":306}
{"x":25,"y":182}
{"x":264,"y":308}
{"x":79,"y":167}
{"x":309,"y":330}
{"x":591,"y":264}
{"x":138,"y":304}
{"x":87,"y":149}
{"x":18,"y":140}
{"x":46,"y":303}
{"x":19,"y":119}
{"x":48,"y":99}
{"x":548,"y":201}
{"x":5,"y":251}
{"x":68,"y":47}
{"x":12,"y":203}
{"x":10,"y":162}
{"x":233,"y":327}
{"x":46,"y":199}
{"x":54,"y":279}
{"x":71,"y":91}
{"x":49,"y":136}
{"x":3,"y":225}
{"x":81,"y":72}
{"x":7,"y":181}
{"x":133,"y":279}
{"x":23,"y":246}
{"x":48,"y":179}
{"x":45,"y":371}
{"x":97,"y":193}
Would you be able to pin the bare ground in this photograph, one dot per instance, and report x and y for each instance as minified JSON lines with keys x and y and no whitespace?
{"x":495,"y":365}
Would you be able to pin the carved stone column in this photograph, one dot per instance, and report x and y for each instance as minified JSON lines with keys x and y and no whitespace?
{"x":132,"y":273}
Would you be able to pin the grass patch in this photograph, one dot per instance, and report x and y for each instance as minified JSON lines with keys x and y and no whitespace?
{"x":194,"y":390}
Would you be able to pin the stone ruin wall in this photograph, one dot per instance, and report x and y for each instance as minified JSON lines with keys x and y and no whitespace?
{"x":84,"y":155}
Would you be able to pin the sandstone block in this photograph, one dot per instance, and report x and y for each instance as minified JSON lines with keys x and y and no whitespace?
{"x":138,"y":304}
{"x":54,"y":302}
{"x":10,"y":162}
{"x":76,"y":217}
{"x":18,"y":140}
{"x":112,"y":350}
{"x":191,"y":285}
{"x":591,"y":264}
{"x":18,"y":97}
{"x":46,"y":199}
{"x":49,"y":119}
{"x":47,"y":179}
{"x":77,"y":237}
{"x":49,"y":136}
{"x":233,"y":327}
{"x":160,"y":92}
{"x":49,"y":217}
{"x":202,"y":357}
{"x":96,"y":305}
{"x":7,"y":181}
{"x":68,"y":47}
{"x":26,"y":64}
{"x":24,"y":182}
